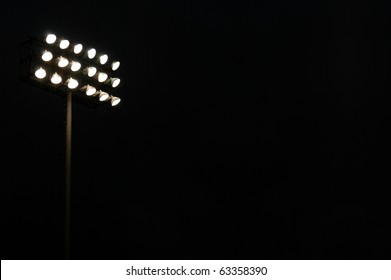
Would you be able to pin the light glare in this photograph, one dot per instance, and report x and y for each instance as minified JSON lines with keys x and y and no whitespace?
{"x":51,"y":38}
{"x":56,"y":79}
{"x":40,"y":73}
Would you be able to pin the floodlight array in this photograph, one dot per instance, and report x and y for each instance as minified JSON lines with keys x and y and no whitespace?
{"x":67,"y":66}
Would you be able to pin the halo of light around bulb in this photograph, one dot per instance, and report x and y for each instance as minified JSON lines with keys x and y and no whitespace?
{"x":91,"y":71}
{"x":56,"y":79}
{"x":91,"y":53}
{"x":72,"y":83}
{"x":103,"y":59}
{"x":40,"y":73}
{"x":62,"y":62}
{"x":75,"y":66}
{"x":103,"y":96}
{"x":64,"y":44}
{"x":115,"y":101}
{"x":102,"y":77}
{"x":51,"y":38}
{"x":115,"y":82}
{"x":47,"y":56}
{"x":90,"y":90}
{"x":77,"y":48}
{"x":115,"y":65}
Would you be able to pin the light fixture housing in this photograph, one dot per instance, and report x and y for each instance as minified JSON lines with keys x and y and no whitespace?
{"x":58,"y":65}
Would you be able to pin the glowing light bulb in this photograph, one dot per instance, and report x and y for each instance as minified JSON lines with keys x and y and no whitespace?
{"x":47,"y":56}
{"x":115,"y":82}
{"x":90,"y":90}
{"x":75,"y":66}
{"x":91,"y":53}
{"x":51,"y":38}
{"x":115,"y":65}
{"x":62,"y":62}
{"x":115,"y":101}
{"x":102,"y":77}
{"x":56,"y":79}
{"x":64,"y":44}
{"x":72,"y":83}
{"x":103,"y":59}
{"x":103,"y":96}
{"x":40,"y":73}
{"x":91,"y":71}
{"x":77,"y":48}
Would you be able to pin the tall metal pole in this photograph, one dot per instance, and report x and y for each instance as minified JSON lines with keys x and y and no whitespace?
{"x":68,"y":137}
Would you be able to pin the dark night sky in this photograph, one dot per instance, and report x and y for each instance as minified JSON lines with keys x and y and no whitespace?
{"x":247,"y":130}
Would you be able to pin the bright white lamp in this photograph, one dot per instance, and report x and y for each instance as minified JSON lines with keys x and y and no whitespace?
{"x":40,"y":73}
{"x":56,"y":79}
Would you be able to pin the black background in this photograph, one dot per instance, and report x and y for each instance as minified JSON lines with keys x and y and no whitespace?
{"x":247,"y":130}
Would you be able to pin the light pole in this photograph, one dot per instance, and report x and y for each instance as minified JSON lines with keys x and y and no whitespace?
{"x":76,"y":73}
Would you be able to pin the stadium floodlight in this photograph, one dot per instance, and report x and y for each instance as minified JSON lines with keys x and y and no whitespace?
{"x":53,"y":62}
{"x":77,"y":48}
{"x":61,"y":76}
{"x":47,"y":56}
{"x":40,"y":73}
{"x":115,"y":65}
{"x":51,"y":38}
